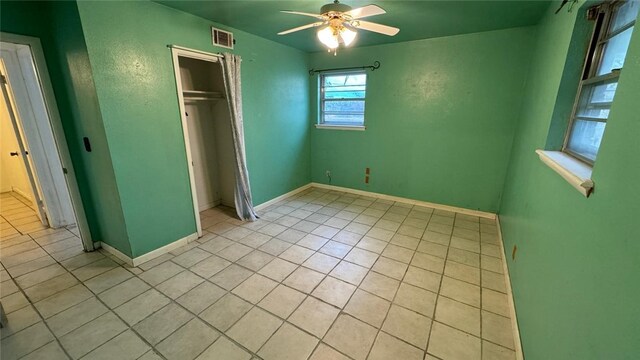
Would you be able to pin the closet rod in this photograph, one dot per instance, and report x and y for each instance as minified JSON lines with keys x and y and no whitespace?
{"x":194,"y":51}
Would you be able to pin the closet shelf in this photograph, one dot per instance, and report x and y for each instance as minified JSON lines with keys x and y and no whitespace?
{"x":202,"y":95}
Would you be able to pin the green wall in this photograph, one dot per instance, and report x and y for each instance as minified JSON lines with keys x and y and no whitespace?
{"x":133,"y":73}
{"x":440,"y":117}
{"x":575,"y":277}
{"x":57,"y":25}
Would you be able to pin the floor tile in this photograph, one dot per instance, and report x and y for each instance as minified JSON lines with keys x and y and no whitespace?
{"x":325,"y":231}
{"x":38,"y":276}
{"x":389,"y":267}
{"x":314,"y":316}
{"x":497,"y":329}
{"x":224,"y":349}
{"x":428,"y":262}
{"x":62,"y":300}
{"x":465,"y":244}
{"x":296,"y":254}
{"x":160,"y":273}
{"x":25,"y":341}
{"x":141,"y":306}
{"x":321,"y":263}
{"x":19,"y":320}
{"x":189,"y":341}
{"x":126,"y":346}
{"x":123,"y":292}
{"x":493,"y":281}
{"x":275,"y":247}
{"x":335,"y":249}
{"x":162,"y":323}
{"x":371,"y":244}
{"x":176,"y":286}
{"x":408,"y":326}
{"x":432,"y":248}
{"x":255,"y":288}
{"x":351,"y":336}
{"x":304,"y":279}
{"x":108,"y":279}
{"x":495,"y":352}
{"x":416,"y":299}
{"x":422,"y":278}
{"x":458,"y":315}
{"x":380,"y":285}
{"x":76,"y":316}
{"x":93,"y":269}
{"x":225,"y":312}
{"x":368,"y":308}
{"x":234,"y":252}
{"x":278,"y":269}
{"x":216,"y":244}
{"x":209,"y":266}
{"x":460,"y":291}
{"x":490,"y":263}
{"x":254,"y":329}
{"x":191,"y":257}
{"x":291,"y":235}
{"x":448,"y":343}
{"x":495,"y":302}
{"x":324,"y":352}
{"x":50,"y":287}
{"x":313,"y":242}
{"x":349,"y":272}
{"x":255,"y":260}
{"x":91,"y":335}
{"x":288,"y":343}
{"x":388,"y":347}
{"x":282,"y":301}
{"x":51,"y":351}
{"x":362,"y":257}
{"x":201,"y":297}
{"x":463,"y":272}
{"x":231,"y":276}
{"x":334,"y":291}
{"x":14,"y":302}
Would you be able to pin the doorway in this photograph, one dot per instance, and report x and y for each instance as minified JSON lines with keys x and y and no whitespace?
{"x":208,"y":135}
{"x":39,"y":199}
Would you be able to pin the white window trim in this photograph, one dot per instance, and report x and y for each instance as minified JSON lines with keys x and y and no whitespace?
{"x":574,"y":171}
{"x":341,"y":127}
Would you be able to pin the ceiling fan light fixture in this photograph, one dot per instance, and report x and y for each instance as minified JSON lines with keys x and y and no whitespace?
{"x":328,"y":37}
{"x":347,"y":35}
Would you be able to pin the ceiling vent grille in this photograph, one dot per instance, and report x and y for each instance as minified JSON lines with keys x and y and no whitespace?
{"x":222,"y":38}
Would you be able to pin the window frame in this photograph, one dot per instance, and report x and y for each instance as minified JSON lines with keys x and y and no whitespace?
{"x":597,"y":44}
{"x":321,"y":100}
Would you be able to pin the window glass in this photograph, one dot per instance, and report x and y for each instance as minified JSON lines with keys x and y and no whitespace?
{"x":586,"y":137}
{"x":342,"y":98}
{"x":625,"y":15}
{"x":615,"y":51}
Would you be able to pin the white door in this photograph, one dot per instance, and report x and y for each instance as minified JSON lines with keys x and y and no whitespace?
{"x":22,"y":151}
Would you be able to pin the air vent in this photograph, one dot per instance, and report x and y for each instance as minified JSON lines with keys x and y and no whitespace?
{"x":222,"y":38}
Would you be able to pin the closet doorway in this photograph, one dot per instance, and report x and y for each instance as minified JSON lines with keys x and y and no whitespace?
{"x":206,"y":125}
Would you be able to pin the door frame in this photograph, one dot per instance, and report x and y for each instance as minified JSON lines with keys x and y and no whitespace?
{"x":176,"y":53}
{"x":55,"y":125}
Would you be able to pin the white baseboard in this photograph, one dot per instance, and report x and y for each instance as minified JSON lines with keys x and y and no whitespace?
{"x":482,"y":214}
{"x":512,"y":307}
{"x":208,"y":206}
{"x":150,"y":255}
{"x":24,"y":194}
{"x":282,"y":197}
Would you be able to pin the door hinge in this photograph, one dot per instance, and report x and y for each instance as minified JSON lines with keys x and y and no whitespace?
{"x":64,"y":170}
{"x":3,"y":79}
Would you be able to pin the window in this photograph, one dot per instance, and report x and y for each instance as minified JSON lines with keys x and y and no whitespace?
{"x":342,"y":98}
{"x":611,"y":36}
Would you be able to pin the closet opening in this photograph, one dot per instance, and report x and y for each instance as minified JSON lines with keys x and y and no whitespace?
{"x":208,"y":131}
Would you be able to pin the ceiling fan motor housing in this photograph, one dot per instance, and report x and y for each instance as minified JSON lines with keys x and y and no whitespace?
{"x":334,"y":7}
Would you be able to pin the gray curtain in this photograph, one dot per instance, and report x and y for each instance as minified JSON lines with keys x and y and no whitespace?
{"x":233,"y":93}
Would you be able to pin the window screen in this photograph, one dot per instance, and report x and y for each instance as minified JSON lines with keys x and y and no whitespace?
{"x":608,"y":49}
{"x":342,"y":97}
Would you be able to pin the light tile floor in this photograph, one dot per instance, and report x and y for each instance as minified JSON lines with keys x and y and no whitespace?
{"x":322,"y":275}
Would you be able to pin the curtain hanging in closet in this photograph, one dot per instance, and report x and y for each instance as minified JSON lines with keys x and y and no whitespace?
{"x":233,"y":91}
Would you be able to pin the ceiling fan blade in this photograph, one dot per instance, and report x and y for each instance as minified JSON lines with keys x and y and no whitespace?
{"x":369,"y":10}
{"x":317,"y":16}
{"x":308,"y":26}
{"x":382,"y":29}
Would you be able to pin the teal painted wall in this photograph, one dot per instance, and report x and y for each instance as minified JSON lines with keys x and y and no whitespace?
{"x":57,"y":25}
{"x":133,"y":73}
{"x":440,"y":117}
{"x":576,"y":274}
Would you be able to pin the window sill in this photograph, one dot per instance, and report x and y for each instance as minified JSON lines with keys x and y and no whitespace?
{"x":341,"y":127}
{"x":577,"y":173}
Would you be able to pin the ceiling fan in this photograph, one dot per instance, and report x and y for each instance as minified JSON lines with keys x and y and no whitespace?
{"x":339,"y":23}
